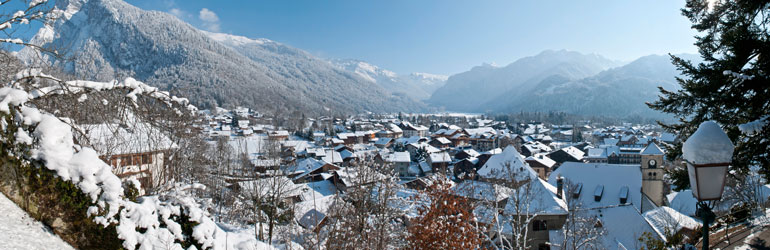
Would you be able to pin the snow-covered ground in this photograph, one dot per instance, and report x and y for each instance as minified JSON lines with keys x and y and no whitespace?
{"x":19,"y":231}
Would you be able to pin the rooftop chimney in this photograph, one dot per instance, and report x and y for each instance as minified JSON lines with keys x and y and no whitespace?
{"x":559,"y":186}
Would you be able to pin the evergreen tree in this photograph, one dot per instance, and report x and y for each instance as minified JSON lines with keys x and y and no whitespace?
{"x":731,"y":85}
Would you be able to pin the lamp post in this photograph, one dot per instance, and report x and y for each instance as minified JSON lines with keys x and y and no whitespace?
{"x":707,"y":153}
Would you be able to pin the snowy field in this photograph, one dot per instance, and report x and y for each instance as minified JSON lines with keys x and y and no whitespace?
{"x":19,"y":231}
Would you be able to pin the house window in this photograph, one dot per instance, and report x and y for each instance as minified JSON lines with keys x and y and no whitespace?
{"x":125,"y":161}
{"x":137,"y":160}
{"x":539,"y":225}
{"x":147,"y":159}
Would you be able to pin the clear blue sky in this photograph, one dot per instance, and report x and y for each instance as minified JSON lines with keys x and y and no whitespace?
{"x":446,"y":36}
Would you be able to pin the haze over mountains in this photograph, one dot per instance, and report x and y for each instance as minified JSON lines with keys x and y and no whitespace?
{"x":416,"y":85}
{"x":117,"y":40}
{"x":561,"y":81}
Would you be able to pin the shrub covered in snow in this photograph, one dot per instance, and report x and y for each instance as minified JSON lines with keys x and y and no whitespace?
{"x":62,"y":175}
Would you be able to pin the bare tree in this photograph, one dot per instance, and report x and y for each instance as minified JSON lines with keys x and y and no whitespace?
{"x":367,"y":217}
{"x":581,"y":230}
{"x":518,"y":212}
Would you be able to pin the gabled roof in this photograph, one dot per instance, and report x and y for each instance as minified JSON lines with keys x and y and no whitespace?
{"x":398,"y":157}
{"x":443,"y":140}
{"x":540,"y":198}
{"x":623,"y":225}
{"x":496,"y":167}
{"x":311,"y":219}
{"x":116,"y":139}
{"x":440,"y":157}
{"x":668,"y":219}
{"x":573,"y":152}
{"x":542,"y":159}
{"x":383,"y":141}
{"x":483,"y":191}
{"x":597,"y":153}
{"x":652,"y":149}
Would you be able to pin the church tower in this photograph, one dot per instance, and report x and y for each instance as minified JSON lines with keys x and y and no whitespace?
{"x":652,"y":176}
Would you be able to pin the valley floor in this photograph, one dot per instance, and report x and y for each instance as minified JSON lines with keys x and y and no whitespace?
{"x":19,"y":231}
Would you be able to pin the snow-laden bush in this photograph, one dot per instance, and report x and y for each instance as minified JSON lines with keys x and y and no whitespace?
{"x":43,"y":143}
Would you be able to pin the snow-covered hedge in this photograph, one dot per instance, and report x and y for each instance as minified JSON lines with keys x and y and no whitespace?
{"x":41,"y":140}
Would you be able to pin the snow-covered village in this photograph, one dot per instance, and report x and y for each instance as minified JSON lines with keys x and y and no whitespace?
{"x":137,"y":124}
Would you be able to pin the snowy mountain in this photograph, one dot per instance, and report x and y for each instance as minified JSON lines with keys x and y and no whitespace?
{"x":114,"y":39}
{"x":470,"y":91}
{"x":617,"y":92}
{"x":419,"y":86}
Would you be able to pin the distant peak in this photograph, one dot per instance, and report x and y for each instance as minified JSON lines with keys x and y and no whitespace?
{"x":428,"y":76}
{"x":490,"y":65}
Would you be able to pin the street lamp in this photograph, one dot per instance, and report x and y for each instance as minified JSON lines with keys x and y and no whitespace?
{"x":708,"y":153}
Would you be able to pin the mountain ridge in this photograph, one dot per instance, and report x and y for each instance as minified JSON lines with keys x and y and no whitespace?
{"x":115,"y":39}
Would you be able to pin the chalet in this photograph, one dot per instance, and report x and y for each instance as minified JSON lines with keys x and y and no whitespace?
{"x":596,"y":155}
{"x":571,"y":154}
{"x":466,"y":168}
{"x":319,"y":136}
{"x":439,"y":162}
{"x":483,"y":192}
{"x":139,"y":150}
{"x":533,"y":148}
{"x":399,"y":160}
{"x":468,"y":153}
{"x":410,"y":130}
{"x":278,"y":135}
{"x":628,"y":140}
{"x":440,"y":142}
{"x":666,"y":219}
{"x":310,"y":170}
{"x":397,"y":131}
{"x":384,"y":142}
{"x":541,"y":164}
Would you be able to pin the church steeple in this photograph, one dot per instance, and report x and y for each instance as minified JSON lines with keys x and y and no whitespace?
{"x":652,"y":175}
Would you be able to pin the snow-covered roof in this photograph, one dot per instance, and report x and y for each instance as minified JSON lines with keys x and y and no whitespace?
{"x":496,"y":167}
{"x":484,"y":191}
{"x":332,"y":157}
{"x":537,"y":147}
{"x":610,"y":141}
{"x":574,"y":152}
{"x":297,"y":145}
{"x":395,"y":128}
{"x":263,"y":186}
{"x":316,"y":190}
{"x":666,"y":219}
{"x":667,"y":137}
{"x":624,"y":225}
{"x":683,"y":201}
{"x":612,"y":177}
{"x":542,"y":159}
{"x":471,"y":152}
{"x":443,"y":140}
{"x":597,"y":153}
{"x":652,"y":149}
{"x":311,"y":219}
{"x":383,"y":141}
{"x":305,"y":166}
{"x":540,"y":198}
{"x":440,"y":157}
{"x":116,"y":139}
{"x":398,"y":157}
